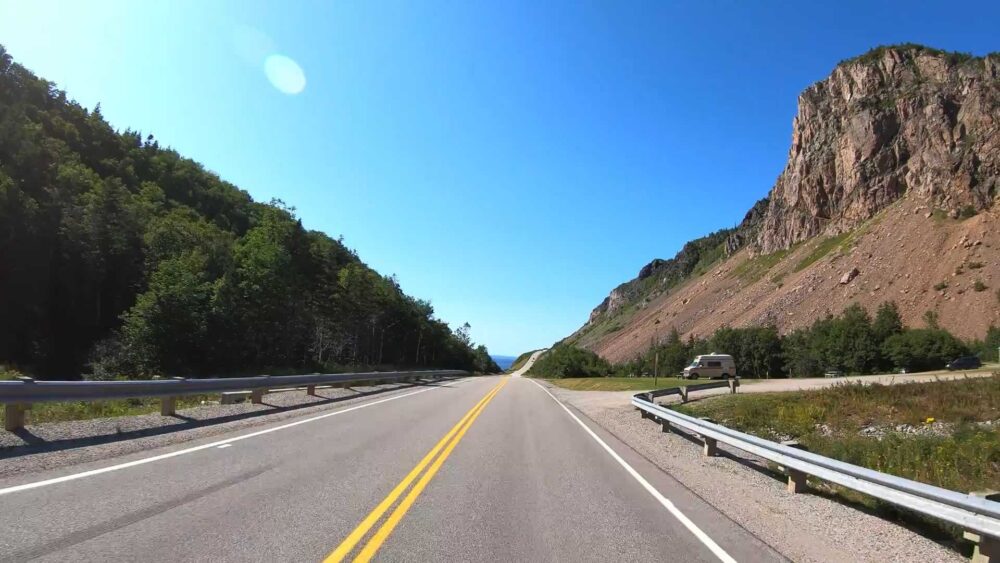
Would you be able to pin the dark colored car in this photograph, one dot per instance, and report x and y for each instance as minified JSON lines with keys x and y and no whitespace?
{"x":965,"y":362}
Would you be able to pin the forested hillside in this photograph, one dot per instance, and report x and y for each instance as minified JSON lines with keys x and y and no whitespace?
{"x":120,"y":257}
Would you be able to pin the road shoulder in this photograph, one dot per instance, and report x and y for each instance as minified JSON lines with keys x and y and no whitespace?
{"x":744,"y":490}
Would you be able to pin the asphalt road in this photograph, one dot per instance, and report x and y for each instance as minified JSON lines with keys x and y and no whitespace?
{"x":482,"y":469}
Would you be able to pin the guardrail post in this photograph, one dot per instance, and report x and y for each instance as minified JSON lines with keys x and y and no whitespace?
{"x":734,"y":383}
{"x":987,"y":548}
{"x":168,"y":406}
{"x":257,"y":396}
{"x":796,"y":481}
{"x":684,"y":394}
{"x":711,"y":447}
{"x":13,"y":416}
{"x":311,"y":390}
{"x":666,"y":425}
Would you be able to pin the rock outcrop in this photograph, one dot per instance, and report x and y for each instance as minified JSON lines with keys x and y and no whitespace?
{"x":895,"y":120}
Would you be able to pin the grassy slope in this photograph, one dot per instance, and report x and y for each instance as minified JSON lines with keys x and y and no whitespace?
{"x":615,"y":383}
{"x":830,"y":422}
{"x":521,"y":360}
{"x":623,"y":383}
{"x":81,"y":410}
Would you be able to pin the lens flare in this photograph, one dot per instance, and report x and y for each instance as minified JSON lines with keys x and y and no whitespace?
{"x":285,"y":74}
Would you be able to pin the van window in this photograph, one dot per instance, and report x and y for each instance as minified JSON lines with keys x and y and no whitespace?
{"x":714,"y":364}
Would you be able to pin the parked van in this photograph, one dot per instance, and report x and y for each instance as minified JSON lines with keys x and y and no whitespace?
{"x":711,"y":366}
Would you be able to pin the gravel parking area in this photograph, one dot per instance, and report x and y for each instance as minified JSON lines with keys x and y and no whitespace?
{"x":803,"y":527}
{"x":58,"y":444}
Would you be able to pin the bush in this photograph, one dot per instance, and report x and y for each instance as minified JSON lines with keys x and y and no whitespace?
{"x":967,"y":212}
{"x":923,"y":349}
{"x":565,"y":360}
{"x":975,"y":265}
{"x":940,"y":285}
{"x":978,"y":286}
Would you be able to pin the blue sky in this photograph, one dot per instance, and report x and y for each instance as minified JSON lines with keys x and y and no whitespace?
{"x":510,"y":162}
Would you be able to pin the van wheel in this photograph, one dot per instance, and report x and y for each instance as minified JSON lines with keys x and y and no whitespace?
{"x":725,"y":376}
{"x":694,"y":376}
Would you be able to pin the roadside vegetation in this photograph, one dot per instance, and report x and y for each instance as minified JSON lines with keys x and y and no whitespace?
{"x":85,"y":410}
{"x":945,"y":433}
{"x":618,"y":383}
{"x":564,"y":360}
{"x":520,"y":361}
{"x":133,"y":260}
{"x":853,"y":343}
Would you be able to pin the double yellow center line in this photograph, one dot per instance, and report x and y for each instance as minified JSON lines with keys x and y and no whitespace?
{"x":435,"y":461}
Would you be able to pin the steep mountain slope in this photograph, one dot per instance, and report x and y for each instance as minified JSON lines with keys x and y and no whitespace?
{"x":894,"y":171}
{"x":120,"y":256}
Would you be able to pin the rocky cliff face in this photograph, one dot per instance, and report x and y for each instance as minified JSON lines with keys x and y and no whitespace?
{"x":904,"y":120}
{"x":896,"y":120}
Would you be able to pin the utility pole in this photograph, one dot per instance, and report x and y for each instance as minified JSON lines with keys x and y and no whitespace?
{"x":656,"y":356}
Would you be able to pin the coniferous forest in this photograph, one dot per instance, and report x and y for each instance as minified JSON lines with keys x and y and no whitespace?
{"x":119,"y":257}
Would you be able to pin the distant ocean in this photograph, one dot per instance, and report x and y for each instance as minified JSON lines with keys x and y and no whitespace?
{"x":504,"y":361}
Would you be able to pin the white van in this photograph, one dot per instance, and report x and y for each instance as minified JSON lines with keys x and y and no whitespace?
{"x":711,"y":366}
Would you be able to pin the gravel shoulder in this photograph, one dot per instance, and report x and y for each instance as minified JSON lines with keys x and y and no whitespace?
{"x":58,"y":444}
{"x":804,"y":527}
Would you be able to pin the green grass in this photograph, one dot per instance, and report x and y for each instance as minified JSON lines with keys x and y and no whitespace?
{"x":61,"y":412}
{"x":624,"y":383}
{"x":520,"y":360}
{"x":709,"y":259}
{"x":822,"y":249}
{"x":968,"y":459}
{"x":755,"y":268}
{"x":616,"y":383}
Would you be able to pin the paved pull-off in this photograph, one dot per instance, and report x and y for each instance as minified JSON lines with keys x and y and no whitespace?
{"x":485,"y":469}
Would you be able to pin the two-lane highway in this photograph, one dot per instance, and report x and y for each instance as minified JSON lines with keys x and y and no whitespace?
{"x":482,"y":469}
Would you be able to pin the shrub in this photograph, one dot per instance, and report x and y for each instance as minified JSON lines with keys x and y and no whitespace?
{"x":975,"y":265}
{"x":978,"y":285}
{"x":967,"y":212}
{"x":565,"y":360}
{"x":940,"y":285}
{"x":923,"y":349}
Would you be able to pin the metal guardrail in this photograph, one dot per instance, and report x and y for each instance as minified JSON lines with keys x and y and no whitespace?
{"x":683,"y":391}
{"x":18,"y":395}
{"x":973,"y":513}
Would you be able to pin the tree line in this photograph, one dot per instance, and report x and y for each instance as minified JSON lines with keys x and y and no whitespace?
{"x":852,"y":342}
{"x":120,"y":257}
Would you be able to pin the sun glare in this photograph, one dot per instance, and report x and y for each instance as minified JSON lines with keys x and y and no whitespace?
{"x":285,"y":74}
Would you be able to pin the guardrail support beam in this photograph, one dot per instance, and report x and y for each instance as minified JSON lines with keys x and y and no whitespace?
{"x":666,"y":425}
{"x":987,"y":548}
{"x":168,"y":406}
{"x":684,"y":394}
{"x":796,"y":481}
{"x":13,"y":417}
{"x":733,"y":385}
{"x":311,"y":390}
{"x":257,"y":396}
{"x":711,"y":447}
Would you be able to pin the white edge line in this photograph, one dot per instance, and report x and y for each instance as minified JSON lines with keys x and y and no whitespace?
{"x":701,"y":535}
{"x":220,"y":443}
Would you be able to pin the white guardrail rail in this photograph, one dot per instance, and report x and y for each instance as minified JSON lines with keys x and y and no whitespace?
{"x":20,"y":394}
{"x":978,"y":515}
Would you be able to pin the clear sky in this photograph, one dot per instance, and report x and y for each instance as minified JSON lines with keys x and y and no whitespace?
{"x":509,"y":161}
